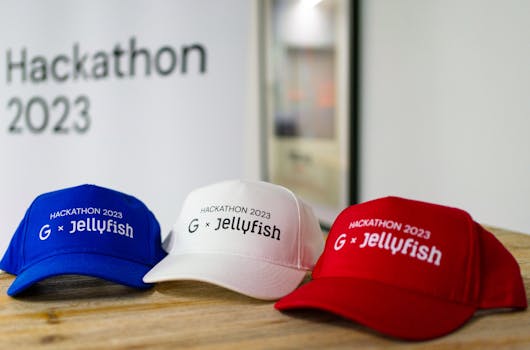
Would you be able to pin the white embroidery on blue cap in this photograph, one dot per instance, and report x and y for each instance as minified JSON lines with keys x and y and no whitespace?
{"x":45,"y":232}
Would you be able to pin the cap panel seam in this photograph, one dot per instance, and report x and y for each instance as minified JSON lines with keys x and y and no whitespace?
{"x":87,"y":251}
{"x":470,"y":303}
{"x":253,"y":257}
{"x":26,"y":225}
{"x":150,"y":233}
{"x":299,"y":232}
{"x":473,"y":250}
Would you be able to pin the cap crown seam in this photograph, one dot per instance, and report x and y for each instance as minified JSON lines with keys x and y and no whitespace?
{"x":409,"y":290}
{"x":67,"y":252}
{"x":25,"y":235}
{"x":151,"y":251}
{"x":470,"y":278}
{"x":267,"y":259}
{"x":299,"y":229}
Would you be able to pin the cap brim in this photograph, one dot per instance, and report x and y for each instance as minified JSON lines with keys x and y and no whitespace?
{"x":102,"y":266}
{"x":255,"y":278}
{"x":392,"y":311}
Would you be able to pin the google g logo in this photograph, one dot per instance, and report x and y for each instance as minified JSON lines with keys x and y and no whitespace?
{"x":45,"y":232}
{"x":341,"y":240}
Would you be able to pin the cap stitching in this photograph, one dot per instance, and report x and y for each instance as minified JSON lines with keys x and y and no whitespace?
{"x":469,"y":291}
{"x":26,"y":219}
{"x":469,"y":303}
{"x":299,"y":233}
{"x":149,"y":232}
{"x":253,"y":257}
{"x":473,"y":277}
{"x":77,"y":251}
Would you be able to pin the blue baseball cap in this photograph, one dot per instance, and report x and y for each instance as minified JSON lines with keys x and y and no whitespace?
{"x":84,"y":230}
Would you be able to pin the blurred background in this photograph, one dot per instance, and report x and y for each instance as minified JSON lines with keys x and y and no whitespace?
{"x":437,"y":107}
{"x":341,"y":101}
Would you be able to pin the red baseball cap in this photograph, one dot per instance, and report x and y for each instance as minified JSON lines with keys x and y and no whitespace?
{"x":410,"y":269}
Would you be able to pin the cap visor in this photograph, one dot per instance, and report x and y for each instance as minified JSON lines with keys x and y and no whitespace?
{"x":387,"y":309}
{"x":102,"y":266}
{"x":255,"y":278}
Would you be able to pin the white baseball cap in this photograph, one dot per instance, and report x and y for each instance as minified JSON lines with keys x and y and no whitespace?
{"x":252,"y":237}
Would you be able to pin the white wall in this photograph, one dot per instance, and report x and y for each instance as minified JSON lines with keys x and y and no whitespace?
{"x":446,"y":105}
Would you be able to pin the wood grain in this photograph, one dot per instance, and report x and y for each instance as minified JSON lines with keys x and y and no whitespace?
{"x":77,"y":312}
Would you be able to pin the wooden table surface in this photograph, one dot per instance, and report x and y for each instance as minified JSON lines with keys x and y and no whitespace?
{"x":81,"y":312}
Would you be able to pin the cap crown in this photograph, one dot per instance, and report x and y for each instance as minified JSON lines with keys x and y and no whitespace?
{"x":84,"y":219}
{"x":258,"y":220}
{"x":421,"y":247}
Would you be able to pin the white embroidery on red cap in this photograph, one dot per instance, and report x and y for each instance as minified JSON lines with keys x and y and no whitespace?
{"x":387,"y":241}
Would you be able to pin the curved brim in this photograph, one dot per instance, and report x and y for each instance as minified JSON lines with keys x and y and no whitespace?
{"x":392,"y":311}
{"x":255,"y":278}
{"x":102,"y":266}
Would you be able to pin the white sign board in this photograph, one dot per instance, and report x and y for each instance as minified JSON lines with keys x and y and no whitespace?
{"x":145,"y":97}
